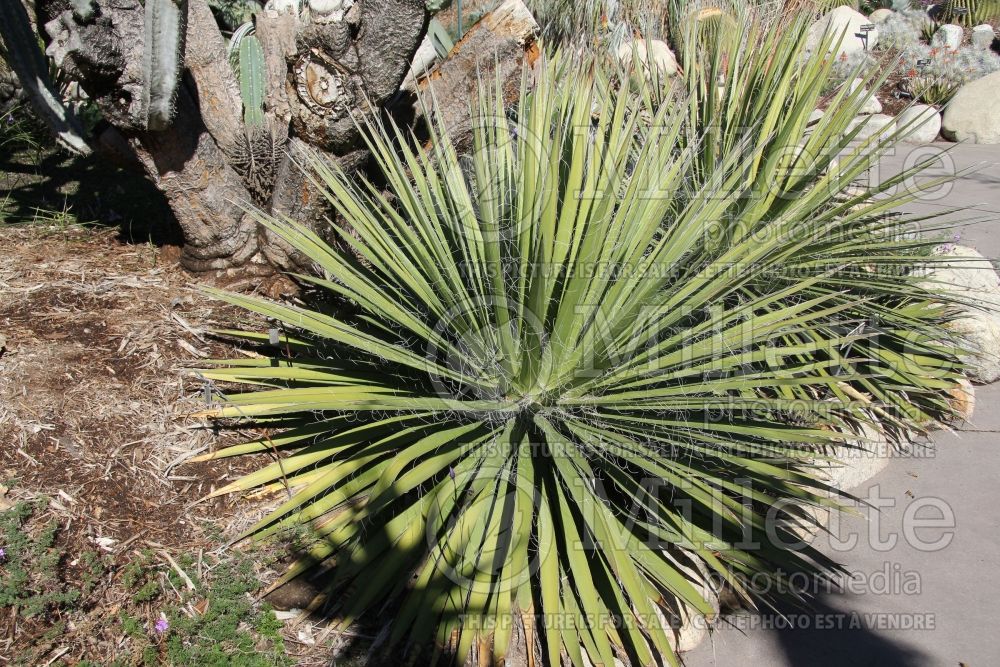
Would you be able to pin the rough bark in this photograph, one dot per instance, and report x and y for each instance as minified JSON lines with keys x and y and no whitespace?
{"x":500,"y":45}
{"x":323,"y":74}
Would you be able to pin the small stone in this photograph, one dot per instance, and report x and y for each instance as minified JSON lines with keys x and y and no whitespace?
{"x":329,"y":11}
{"x":871,"y":104}
{"x":880,"y":15}
{"x":693,"y":627}
{"x":423,"y":61}
{"x":861,"y":457}
{"x":983,"y":36}
{"x":873,"y":124}
{"x":948,"y":36}
{"x":283,"y":6}
{"x":962,"y":399}
{"x":926,"y":123}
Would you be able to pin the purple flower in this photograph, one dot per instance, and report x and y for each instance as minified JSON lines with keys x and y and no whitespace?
{"x":957,"y":237}
{"x":451,"y":473}
{"x":161,"y":626}
{"x":3,"y":554}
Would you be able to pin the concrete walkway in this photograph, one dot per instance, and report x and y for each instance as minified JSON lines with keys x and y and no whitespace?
{"x":911,"y":601}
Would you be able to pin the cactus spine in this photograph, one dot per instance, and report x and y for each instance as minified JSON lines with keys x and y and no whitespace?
{"x":163,"y":56}
{"x":27,"y":60}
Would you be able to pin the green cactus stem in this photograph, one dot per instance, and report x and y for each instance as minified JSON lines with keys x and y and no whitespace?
{"x":252,"y":80}
{"x":163,"y":60}
{"x":968,"y":12}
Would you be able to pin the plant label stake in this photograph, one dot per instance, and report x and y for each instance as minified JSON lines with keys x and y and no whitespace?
{"x":865,"y":29}
{"x":272,"y":337}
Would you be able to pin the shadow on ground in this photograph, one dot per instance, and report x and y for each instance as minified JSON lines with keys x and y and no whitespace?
{"x":49,"y":186}
{"x":850,"y":642}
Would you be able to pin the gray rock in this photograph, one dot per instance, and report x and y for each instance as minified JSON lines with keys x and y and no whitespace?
{"x":880,"y":15}
{"x":926,"y":123}
{"x":972,"y":115}
{"x":971,"y":277}
{"x":649,"y":51}
{"x":873,"y":124}
{"x":862,"y":456}
{"x":948,"y":36}
{"x":842,"y":21}
{"x":871,"y":104}
{"x":983,"y":36}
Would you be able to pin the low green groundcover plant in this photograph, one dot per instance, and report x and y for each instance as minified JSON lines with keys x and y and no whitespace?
{"x":579,"y":369}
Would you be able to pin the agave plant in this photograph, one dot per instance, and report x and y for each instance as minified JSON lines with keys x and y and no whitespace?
{"x":586,"y":365}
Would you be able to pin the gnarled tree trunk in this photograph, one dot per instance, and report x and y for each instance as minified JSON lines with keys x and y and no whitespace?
{"x":325,"y":66}
{"x":321,"y":69}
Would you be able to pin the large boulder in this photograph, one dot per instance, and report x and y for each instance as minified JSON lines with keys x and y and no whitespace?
{"x":880,"y":15}
{"x":924,"y":123}
{"x":844,"y":25}
{"x":649,"y":52}
{"x":972,"y":115}
{"x":948,"y":36}
{"x":862,"y":456}
{"x":971,"y":278}
{"x":983,"y":36}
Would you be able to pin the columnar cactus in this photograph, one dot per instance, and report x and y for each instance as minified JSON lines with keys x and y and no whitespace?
{"x":163,"y":59}
{"x":968,"y":12}
{"x":251,"y":69}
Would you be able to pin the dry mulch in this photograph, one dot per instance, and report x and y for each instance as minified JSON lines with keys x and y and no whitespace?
{"x":92,"y":384}
{"x":95,"y":336}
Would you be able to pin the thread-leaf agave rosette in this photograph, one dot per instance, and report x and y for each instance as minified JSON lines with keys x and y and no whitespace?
{"x":558,"y":402}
